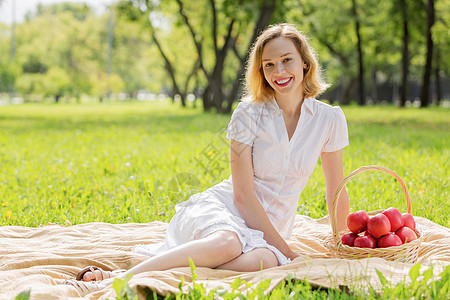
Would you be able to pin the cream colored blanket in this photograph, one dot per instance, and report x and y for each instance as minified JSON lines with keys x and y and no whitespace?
{"x":41,"y":258}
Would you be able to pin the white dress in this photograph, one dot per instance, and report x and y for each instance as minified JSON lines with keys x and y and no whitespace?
{"x":281,"y":170}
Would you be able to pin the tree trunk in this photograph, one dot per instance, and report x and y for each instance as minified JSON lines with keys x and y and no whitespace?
{"x":424,"y":97}
{"x":374,"y":85}
{"x":437,"y":78}
{"x":265,"y":15}
{"x":405,"y":54}
{"x":214,"y":92}
{"x":213,"y":95}
{"x":362,"y":100}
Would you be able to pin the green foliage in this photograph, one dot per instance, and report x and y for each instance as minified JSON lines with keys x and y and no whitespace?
{"x":62,"y":50}
{"x":79,"y":11}
{"x":123,"y":290}
{"x":9,"y":72}
{"x":421,"y":286}
{"x":25,"y":295}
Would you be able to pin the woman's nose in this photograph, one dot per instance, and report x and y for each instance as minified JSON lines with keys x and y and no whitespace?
{"x":279,"y":68}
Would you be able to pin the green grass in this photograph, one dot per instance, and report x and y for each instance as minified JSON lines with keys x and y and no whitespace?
{"x":98,"y":162}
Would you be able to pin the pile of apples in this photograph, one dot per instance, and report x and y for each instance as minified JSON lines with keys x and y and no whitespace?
{"x":386,"y":229}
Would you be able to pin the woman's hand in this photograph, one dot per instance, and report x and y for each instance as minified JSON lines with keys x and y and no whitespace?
{"x":292,"y":255}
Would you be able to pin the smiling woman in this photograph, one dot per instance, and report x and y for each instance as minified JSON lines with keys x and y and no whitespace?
{"x":276,"y":138}
{"x":295,"y":49}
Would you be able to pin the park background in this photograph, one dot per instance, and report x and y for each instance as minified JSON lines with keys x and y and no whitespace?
{"x":390,"y":51}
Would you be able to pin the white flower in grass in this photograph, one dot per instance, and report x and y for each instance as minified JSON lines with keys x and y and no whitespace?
{"x":128,"y":164}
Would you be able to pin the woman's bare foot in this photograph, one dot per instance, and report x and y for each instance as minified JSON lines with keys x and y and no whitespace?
{"x":93,"y":273}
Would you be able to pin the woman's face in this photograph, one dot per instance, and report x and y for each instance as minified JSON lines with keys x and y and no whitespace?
{"x":283,"y":67}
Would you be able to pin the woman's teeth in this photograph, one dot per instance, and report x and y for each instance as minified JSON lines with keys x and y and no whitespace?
{"x":282,"y":81}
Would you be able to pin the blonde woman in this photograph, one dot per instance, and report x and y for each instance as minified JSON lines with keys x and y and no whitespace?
{"x":277,"y":135}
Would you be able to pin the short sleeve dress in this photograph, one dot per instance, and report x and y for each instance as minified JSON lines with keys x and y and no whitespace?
{"x":282,"y":168}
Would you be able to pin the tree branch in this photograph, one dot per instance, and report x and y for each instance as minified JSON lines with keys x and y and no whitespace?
{"x":228,"y":38}
{"x":198,"y":45}
{"x":214,"y":31}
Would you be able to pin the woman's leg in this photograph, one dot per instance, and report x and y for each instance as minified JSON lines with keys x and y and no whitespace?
{"x":252,"y":261}
{"x":212,"y":251}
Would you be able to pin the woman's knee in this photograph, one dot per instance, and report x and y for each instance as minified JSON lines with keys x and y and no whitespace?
{"x":226,"y":244}
{"x":269,"y":259}
{"x":264,"y":259}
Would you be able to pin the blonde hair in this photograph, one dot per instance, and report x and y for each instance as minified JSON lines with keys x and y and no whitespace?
{"x":258,"y":89}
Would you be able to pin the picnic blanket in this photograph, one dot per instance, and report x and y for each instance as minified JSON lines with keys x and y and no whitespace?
{"x":41,"y":258}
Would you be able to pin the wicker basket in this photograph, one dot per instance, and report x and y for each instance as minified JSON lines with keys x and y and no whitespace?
{"x":406,"y":253}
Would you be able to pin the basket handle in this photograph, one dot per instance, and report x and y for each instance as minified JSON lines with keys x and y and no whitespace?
{"x":333,"y":213}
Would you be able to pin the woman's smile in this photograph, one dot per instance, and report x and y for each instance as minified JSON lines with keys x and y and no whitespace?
{"x":283,"y":81}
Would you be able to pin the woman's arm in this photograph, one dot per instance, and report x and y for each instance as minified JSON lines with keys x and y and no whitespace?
{"x":246,"y":201}
{"x":334,"y":174}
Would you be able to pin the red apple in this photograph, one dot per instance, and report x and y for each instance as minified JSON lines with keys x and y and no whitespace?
{"x":406,"y":234}
{"x":365,"y":241}
{"x":378,"y":225}
{"x":395,"y":218}
{"x":388,"y":240}
{"x":366,"y":233}
{"x":349,"y":238}
{"x":357,"y":221}
{"x":408,"y":220}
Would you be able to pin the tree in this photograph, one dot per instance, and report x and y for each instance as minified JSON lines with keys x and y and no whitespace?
{"x":362,"y":96}
{"x":331,"y":30}
{"x":441,"y":42}
{"x":229,"y":14}
{"x":152,"y":16}
{"x":265,"y":15}
{"x":215,"y":29}
{"x":429,"y":58}
{"x":55,"y":82}
{"x":405,"y":53}
{"x":9,"y":72}
{"x":105,"y":84}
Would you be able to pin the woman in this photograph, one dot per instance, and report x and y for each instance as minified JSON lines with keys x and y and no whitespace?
{"x":277,"y":135}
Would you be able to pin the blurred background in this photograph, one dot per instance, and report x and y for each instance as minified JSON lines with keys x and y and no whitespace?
{"x":193,"y":52}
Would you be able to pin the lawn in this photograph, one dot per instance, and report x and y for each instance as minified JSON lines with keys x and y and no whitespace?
{"x":132,"y":162}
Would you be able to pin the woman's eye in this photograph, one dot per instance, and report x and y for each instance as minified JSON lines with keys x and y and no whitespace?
{"x":268,"y":65}
{"x":287,"y":59}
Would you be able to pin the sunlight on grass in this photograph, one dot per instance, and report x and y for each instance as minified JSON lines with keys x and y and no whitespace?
{"x":98,"y":162}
